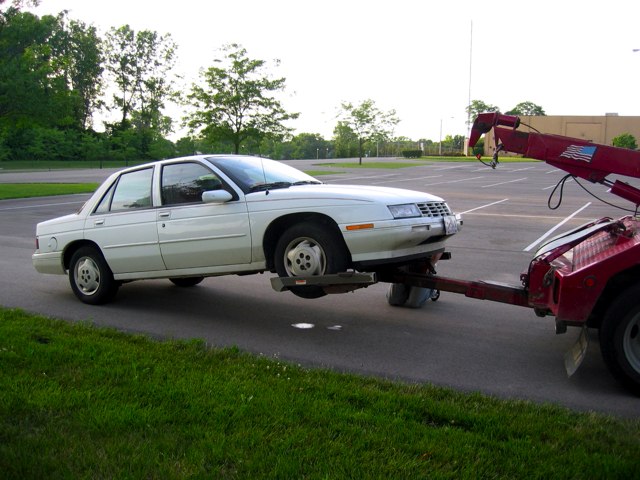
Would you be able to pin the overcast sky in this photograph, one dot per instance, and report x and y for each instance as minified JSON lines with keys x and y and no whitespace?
{"x":570,"y":57}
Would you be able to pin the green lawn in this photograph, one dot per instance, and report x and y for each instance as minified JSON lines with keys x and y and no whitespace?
{"x":63,"y":165}
{"x":404,"y":163}
{"x":81,"y":402}
{"x":318,"y":173}
{"x":25,"y":190}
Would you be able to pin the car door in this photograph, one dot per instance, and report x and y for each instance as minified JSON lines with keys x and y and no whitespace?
{"x":123,"y":224}
{"x":193,"y":233}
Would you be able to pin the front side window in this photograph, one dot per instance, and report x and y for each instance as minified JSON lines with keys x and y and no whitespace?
{"x":133,"y":190}
{"x":186,"y":182}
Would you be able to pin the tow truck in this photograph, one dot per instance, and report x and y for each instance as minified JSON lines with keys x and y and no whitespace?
{"x":588,"y":277}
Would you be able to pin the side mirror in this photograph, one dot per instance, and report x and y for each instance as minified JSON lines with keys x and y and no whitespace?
{"x":216,"y":196}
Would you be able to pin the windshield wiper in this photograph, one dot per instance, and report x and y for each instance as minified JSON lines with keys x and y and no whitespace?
{"x":269,"y":186}
{"x":307,"y":182}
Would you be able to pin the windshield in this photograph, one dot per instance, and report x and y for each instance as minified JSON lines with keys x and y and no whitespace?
{"x":254,"y":174}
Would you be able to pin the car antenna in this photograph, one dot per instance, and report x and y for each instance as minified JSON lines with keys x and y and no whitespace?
{"x":264,"y":176}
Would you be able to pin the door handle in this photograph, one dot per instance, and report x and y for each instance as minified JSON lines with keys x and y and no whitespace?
{"x":164,"y":214}
{"x":99,"y":222}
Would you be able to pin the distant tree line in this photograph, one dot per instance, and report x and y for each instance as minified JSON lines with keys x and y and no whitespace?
{"x":57,"y":75}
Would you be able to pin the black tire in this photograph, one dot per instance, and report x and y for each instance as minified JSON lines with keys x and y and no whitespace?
{"x":310,"y":249}
{"x":397,"y":294}
{"x":620,"y":338}
{"x":186,"y":281}
{"x":91,"y":278}
{"x":401,"y":295}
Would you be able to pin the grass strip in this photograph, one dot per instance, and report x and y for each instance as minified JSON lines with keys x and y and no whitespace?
{"x":318,"y":173}
{"x":372,"y":163}
{"x":83,"y":402}
{"x":26,"y":190}
{"x":16,"y":165}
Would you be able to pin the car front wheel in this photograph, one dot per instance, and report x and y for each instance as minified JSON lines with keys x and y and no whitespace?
{"x":310,"y":249}
{"x":90,"y":277}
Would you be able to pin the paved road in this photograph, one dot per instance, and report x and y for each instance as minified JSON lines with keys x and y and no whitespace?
{"x":470,"y":345}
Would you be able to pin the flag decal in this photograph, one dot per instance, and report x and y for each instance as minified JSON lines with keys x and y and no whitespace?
{"x":579,"y":152}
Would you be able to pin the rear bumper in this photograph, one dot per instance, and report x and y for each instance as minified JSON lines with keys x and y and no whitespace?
{"x":50,"y":262}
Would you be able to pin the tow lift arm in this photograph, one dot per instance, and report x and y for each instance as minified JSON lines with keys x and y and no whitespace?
{"x":587,"y":277}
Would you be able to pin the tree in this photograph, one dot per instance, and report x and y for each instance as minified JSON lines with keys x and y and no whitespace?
{"x":477,"y":107}
{"x":368,"y":122}
{"x":345,"y":141}
{"x":625,"y":140}
{"x":528,"y":109}
{"x":453,"y":143}
{"x":235,"y":103}
{"x":20,"y":3}
{"x":308,"y":145}
{"x":83,"y":69}
{"x":140,"y":64}
{"x":32,"y":90}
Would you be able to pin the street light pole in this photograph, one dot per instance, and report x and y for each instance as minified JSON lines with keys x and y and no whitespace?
{"x":440,"y":141}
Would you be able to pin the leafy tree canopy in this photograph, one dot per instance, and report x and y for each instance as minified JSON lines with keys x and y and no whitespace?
{"x":625,"y":140}
{"x":140,"y":64}
{"x":368,"y":122}
{"x":19,"y":3}
{"x":236,"y":101}
{"x":477,"y":107}
{"x":528,"y":109}
{"x":523,"y":108}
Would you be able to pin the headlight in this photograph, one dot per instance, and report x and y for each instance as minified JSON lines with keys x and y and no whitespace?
{"x":407,"y":210}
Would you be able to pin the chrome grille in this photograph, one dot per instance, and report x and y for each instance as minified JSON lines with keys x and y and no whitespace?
{"x":434,"y":209}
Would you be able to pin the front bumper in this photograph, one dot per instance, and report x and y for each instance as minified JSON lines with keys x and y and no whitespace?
{"x":402,"y":240}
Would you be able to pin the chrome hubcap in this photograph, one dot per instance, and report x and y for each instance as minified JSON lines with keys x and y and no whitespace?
{"x":631,"y":343}
{"x":304,"y":257}
{"x":87,"y":276}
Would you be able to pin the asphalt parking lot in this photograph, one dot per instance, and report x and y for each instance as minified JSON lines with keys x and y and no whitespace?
{"x":467,"y":344}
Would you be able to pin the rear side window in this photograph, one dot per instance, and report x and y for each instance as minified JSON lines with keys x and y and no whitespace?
{"x":185,"y":183}
{"x":132,"y":191}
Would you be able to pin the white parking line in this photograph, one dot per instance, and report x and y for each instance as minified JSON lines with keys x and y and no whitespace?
{"x":555,"y":170}
{"x":502,"y":183}
{"x":406,"y":179}
{"x":485,"y":206}
{"x":550,"y":231}
{"x":554,"y":186}
{"x":453,"y":181}
{"x":450,"y":168}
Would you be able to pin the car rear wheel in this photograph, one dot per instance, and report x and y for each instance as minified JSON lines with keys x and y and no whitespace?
{"x":310,"y":249}
{"x":90,"y":277}
{"x":186,"y":281}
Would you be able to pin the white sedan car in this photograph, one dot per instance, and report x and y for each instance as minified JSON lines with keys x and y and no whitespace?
{"x":189,"y":218}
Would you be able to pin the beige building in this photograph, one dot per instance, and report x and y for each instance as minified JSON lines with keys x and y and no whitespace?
{"x":595,"y":129}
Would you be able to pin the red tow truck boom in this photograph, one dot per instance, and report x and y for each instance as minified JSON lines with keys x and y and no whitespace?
{"x":580,"y":158}
{"x":587,"y":277}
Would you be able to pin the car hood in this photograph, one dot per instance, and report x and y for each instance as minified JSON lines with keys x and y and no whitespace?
{"x":360,"y":193}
